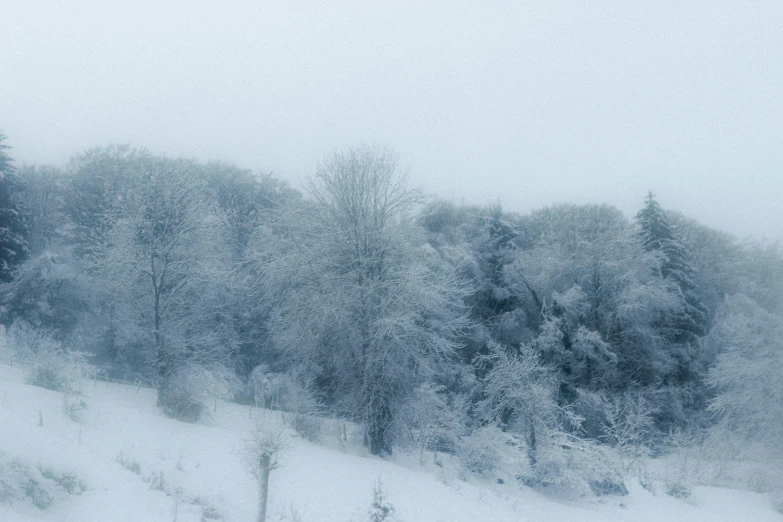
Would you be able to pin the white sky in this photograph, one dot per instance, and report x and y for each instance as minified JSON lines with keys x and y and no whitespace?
{"x":531,"y":103}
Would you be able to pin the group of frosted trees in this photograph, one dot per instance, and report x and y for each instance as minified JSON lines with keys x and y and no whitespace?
{"x":425,"y":322}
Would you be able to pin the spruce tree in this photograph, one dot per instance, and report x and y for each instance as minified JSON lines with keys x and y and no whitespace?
{"x":13,"y":245}
{"x":658,"y":235}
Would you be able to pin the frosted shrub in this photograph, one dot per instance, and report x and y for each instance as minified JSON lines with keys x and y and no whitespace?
{"x":629,"y":428}
{"x":485,"y":449}
{"x":578,"y":465}
{"x":13,"y":476}
{"x":683,"y":467}
{"x":291,"y":394}
{"x":47,"y":363}
{"x":18,"y":481}
{"x":302,"y":410}
{"x":381,"y":510}
{"x":187,"y":391}
{"x":258,"y":385}
{"x":277,"y":391}
{"x":430,"y":421}
{"x":74,"y":406}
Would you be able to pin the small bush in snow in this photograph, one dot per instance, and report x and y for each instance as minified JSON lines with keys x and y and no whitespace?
{"x":302,"y":409}
{"x":484,"y":450}
{"x":683,"y":467}
{"x":430,"y":420}
{"x":307,"y":426}
{"x":381,"y":509}
{"x":68,"y":482}
{"x":279,"y":391}
{"x":578,"y":465}
{"x":19,"y":482}
{"x":291,"y":394}
{"x":47,"y":363}
{"x":678,"y":489}
{"x":629,"y":428}
{"x":188,"y":390}
{"x":74,"y":406}
{"x":13,"y":477}
{"x":129,"y":463}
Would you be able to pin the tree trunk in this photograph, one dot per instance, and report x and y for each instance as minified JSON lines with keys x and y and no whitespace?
{"x":263,"y":486}
{"x":532,"y":447}
{"x":378,"y":434}
{"x":158,"y":338}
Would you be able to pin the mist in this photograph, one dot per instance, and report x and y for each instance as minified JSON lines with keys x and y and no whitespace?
{"x":524,"y":103}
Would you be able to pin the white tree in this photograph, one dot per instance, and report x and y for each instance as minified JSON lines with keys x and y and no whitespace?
{"x":747,"y":373}
{"x":161,"y":254}
{"x":39,"y":195}
{"x":518,"y":393}
{"x":603,"y":312}
{"x":355,"y":298}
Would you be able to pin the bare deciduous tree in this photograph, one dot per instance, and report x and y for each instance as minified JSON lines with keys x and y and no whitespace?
{"x":354,"y":296}
{"x":158,"y":242}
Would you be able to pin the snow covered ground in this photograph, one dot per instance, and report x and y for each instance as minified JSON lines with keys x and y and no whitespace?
{"x":123,"y":446}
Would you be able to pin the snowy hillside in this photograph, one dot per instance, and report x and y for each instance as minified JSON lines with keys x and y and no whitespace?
{"x":113,"y":461}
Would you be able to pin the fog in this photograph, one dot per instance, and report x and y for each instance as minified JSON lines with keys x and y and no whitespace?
{"x":526,"y":103}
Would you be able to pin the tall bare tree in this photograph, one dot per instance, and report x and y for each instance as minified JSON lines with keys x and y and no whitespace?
{"x":155,"y":243}
{"x":355,"y":297}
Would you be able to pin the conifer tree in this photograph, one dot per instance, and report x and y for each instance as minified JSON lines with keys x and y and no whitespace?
{"x":658,"y":235}
{"x":13,"y":245}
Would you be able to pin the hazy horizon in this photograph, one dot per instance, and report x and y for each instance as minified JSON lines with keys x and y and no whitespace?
{"x":529,"y":104}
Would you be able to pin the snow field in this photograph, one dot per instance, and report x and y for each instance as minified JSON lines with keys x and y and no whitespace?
{"x":124,"y":445}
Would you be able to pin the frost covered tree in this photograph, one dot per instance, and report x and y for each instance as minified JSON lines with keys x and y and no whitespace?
{"x":40,"y":201}
{"x":683,"y":326}
{"x":518,"y":393}
{"x":244,"y":201}
{"x":156,"y":248}
{"x":495,"y":250}
{"x":601,"y":300}
{"x":50,"y":293}
{"x":498,"y":311}
{"x":658,"y":235}
{"x":747,"y":374}
{"x":97,"y":181}
{"x":353,"y":295}
{"x":13,"y":243}
{"x":247,"y":206}
{"x":763,"y":271}
{"x":381,"y":510}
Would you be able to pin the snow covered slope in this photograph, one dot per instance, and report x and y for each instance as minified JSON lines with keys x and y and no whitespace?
{"x":137,"y":465}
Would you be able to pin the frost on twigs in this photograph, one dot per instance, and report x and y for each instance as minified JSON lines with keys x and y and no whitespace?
{"x":187,"y":391}
{"x":293,"y":394}
{"x":47,"y":363}
{"x":381,"y":510}
{"x":432,"y":420}
{"x":483,"y":450}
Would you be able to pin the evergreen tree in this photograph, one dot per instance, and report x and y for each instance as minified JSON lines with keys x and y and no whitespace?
{"x":13,"y":245}
{"x":495,"y":309}
{"x":658,"y":235}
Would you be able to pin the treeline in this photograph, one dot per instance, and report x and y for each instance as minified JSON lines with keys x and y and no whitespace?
{"x":447,"y":327}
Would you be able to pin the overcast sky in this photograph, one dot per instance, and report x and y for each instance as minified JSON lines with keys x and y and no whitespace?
{"x":529,"y":103}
